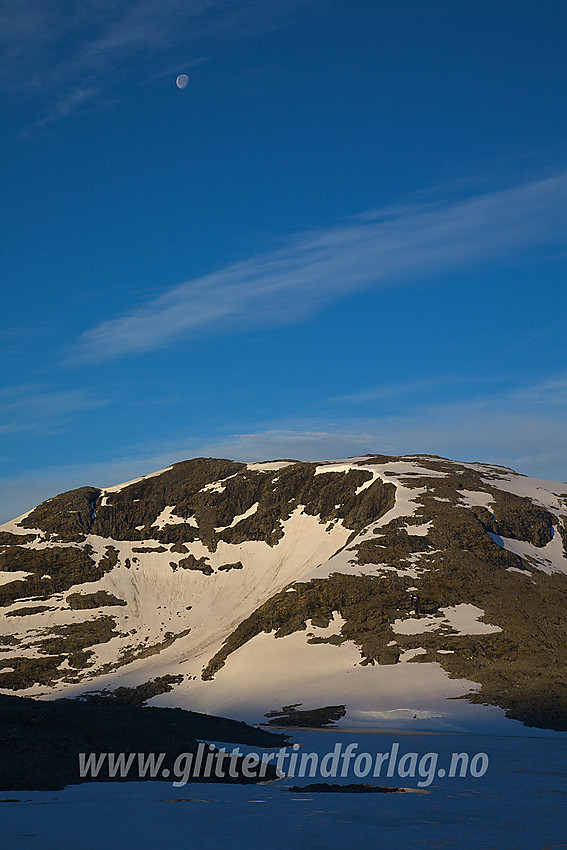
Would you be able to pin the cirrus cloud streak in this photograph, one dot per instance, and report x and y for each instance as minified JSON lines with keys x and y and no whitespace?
{"x":381,"y":249}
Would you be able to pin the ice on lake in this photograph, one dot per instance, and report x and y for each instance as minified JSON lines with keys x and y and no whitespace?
{"x":518,"y":804}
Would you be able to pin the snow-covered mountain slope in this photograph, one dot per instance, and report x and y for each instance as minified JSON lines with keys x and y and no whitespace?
{"x":386,"y":585}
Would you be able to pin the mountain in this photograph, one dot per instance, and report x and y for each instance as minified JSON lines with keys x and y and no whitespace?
{"x":376,"y":591}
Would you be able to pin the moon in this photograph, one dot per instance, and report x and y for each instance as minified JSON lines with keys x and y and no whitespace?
{"x":182,"y":81}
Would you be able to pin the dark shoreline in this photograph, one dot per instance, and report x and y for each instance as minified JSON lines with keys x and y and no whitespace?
{"x":40,"y":740}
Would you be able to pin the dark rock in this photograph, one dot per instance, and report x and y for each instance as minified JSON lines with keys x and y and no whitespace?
{"x":315,"y":718}
{"x":100,"y":599}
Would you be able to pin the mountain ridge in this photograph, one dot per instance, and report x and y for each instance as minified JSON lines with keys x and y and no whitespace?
{"x":414,"y":579}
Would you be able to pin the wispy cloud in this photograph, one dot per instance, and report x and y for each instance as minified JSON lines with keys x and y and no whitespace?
{"x":59,"y":52}
{"x":523,"y":428}
{"x":75,"y":99}
{"x":315,"y":268}
{"x":409,"y":389}
{"x":546,"y":393}
{"x":33,"y":407}
{"x":493,"y":428}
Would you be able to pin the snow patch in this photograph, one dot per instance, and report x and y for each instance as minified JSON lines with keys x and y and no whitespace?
{"x":158,"y":596}
{"x":168,"y":517}
{"x":549,"y":559}
{"x":462,"y":618}
{"x":475,"y":499}
{"x":546,"y":494}
{"x":13,"y":526}
{"x":269,"y":466}
{"x":267,"y":673}
{"x":217,"y":486}
{"x":17,"y":575}
{"x":117,"y":487}
{"x":419,"y":530}
{"x":250,"y":512}
{"x":411,"y":653}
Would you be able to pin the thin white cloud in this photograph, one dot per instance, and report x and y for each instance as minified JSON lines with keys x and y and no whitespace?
{"x":523,"y":428}
{"x":501,"y":429}
{"x":77,"y":97}
{"x":316,"y":268}
{"x":408,"y":389}
{"x":546,"y":393}
{"x":55,"y":51}
{"x":73,"y":100}
{"x":33,"y":407}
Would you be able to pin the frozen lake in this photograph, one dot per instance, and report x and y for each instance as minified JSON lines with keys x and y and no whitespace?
{"x":518,"y":804}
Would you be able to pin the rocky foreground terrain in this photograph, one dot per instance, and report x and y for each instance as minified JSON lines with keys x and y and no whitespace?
{"x":40,"y":740}
{"x":375,"y":588}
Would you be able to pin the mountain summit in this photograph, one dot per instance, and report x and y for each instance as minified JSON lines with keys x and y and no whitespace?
{"x":368,"y":592}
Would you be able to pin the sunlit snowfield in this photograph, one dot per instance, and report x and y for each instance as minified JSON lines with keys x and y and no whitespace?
{"x":519,"y":803}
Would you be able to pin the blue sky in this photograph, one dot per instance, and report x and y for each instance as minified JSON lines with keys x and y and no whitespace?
{"x":346,"y":235}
